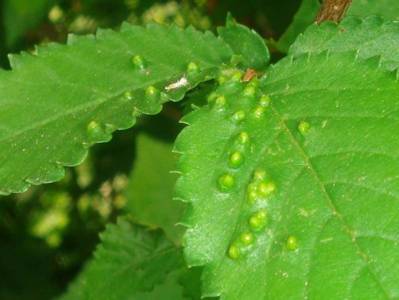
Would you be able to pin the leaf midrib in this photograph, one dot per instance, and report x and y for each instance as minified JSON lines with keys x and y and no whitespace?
{"x":76,"y":109}
{"x":327,"y":197}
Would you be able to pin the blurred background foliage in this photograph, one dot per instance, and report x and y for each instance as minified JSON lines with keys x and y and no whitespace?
{"x":26,"y":23}
{"x":49,"y":232}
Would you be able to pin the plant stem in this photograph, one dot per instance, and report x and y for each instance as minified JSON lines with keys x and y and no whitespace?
{"x":332,"y":10}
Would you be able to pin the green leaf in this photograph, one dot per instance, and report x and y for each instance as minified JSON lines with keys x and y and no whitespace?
{"x":60,"y":100}
{"x":150,"y":189}
{"x":245,"y":43}
{"x":170,"y":289}
{"x":305,"y":15}
{"x":294,"y":183}
{"x":389,"y":9}
{"x":369,"y":37}
{"x":128,"y":264}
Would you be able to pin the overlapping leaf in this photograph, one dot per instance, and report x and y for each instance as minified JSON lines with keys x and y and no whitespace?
{"x":294,"y":183}
{"x":369,"y":37}
{"x":128,"y":264}
{"x":150,"y":190}
{"x":388,"y":9}
{"x":306,"y":15}
{"x":61,"y":99}
{"x":246,"y":43}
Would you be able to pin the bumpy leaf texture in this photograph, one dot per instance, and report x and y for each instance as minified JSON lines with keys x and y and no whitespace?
{"x":293,"y":182}
{"x":59,"y":100}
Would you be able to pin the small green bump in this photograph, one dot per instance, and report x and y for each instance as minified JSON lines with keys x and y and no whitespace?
{"x":253,"y":83}
{"x":237,"y":75}
{"x":252,"y":187}
{"x":258,"y":220}
{"x":292,"y":243}
{"x":138,"y":62}
{"x":236,"y":159}
{"x":95,"y":131}
{"x":93,"y":126}
{"x":264,"y":101}
{"x":252,"y":196}
{"x":239,"y":115}
{"x":249,"y":90}
{"x":259,"y":111}
{"x":226,"y":182}
{"x":128,"y":95}
{"x":259,"y":174}
{"x":265,"y":189}
{"x":247,"y":238}
{"x":234,"y":252}
{"x":303,"y":127}
{"x":192,"y":67}
{"x":151,"y":92}
{"x":252,"y":192}
{"x":243,"y":137}
{"x":220,"y":101}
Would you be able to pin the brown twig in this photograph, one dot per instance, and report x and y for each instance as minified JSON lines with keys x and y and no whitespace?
{"x":332,"y":10}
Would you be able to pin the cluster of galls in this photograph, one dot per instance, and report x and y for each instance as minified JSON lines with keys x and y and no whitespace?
{"x":261,"y":187}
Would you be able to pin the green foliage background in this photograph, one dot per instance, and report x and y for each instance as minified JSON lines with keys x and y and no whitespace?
{"x":49,"y":233}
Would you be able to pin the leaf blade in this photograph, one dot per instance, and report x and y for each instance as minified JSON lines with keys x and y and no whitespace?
{"x":150,"y":188}
{"x":313,"y":244}
{"x":388,"y":9}
{"x":363,"y":9}
{"x":139,"y":262}
{"x":245,"y":43}
{"x":370,"y":37}
{"x":82,"y":92}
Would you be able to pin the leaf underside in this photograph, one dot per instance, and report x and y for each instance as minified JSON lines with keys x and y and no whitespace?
{"x":308,"y":209}
{"x":57,"y":102}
